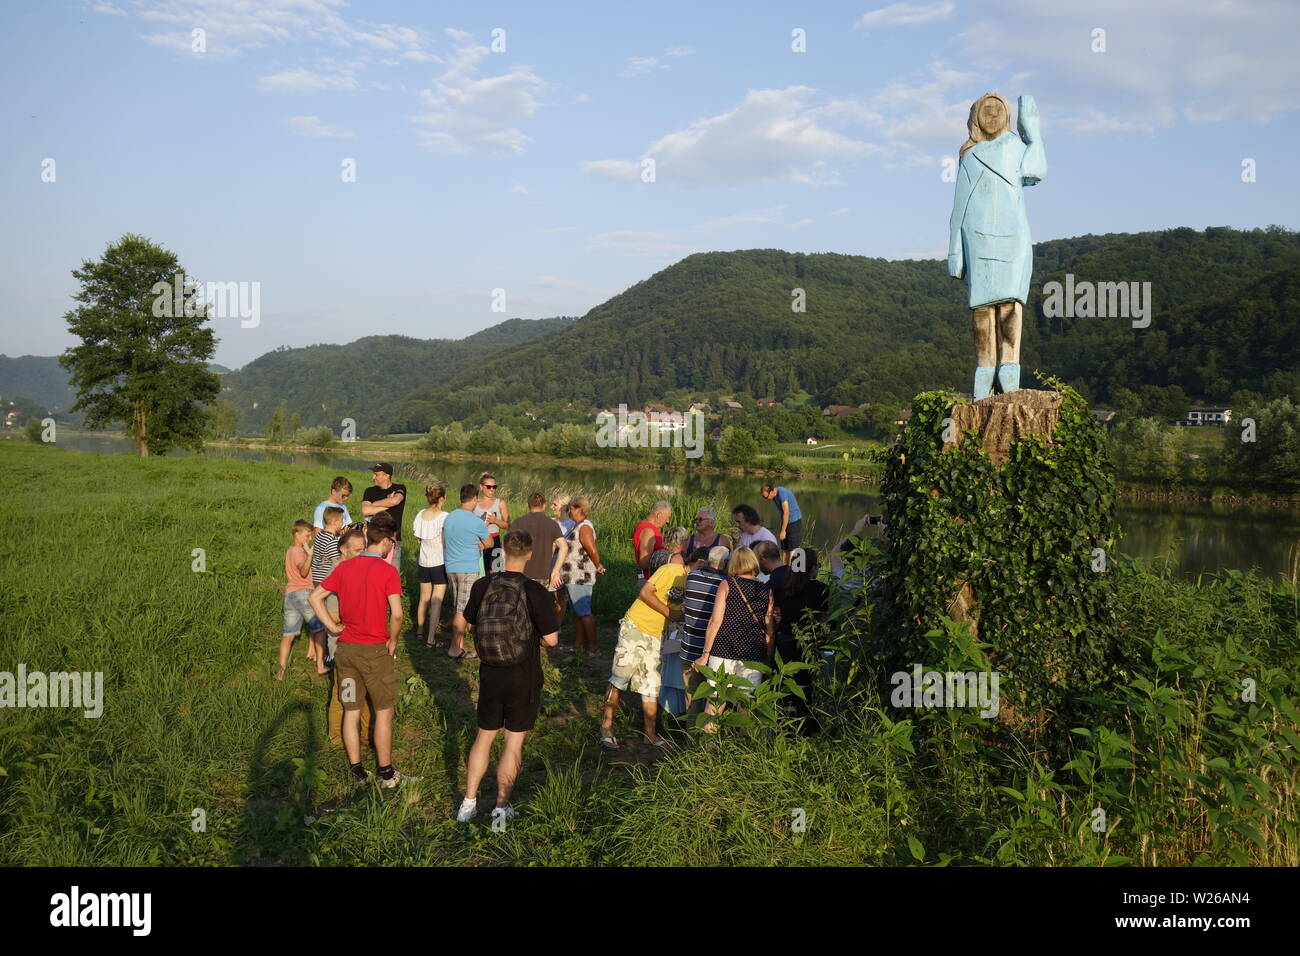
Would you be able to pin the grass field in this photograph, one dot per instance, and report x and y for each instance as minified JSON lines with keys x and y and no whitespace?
{"x":97,"y":572}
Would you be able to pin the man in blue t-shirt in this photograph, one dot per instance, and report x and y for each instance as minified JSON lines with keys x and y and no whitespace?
{"x":464,"y":536}
{"x":791,"y":533}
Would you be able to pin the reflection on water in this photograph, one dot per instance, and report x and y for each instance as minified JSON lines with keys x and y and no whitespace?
{"x":1193,"y":537}
{"x":1201,"y":537}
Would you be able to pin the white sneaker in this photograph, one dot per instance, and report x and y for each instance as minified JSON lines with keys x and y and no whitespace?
{"x":468,"y":808}
{"x":504,"y":813}
{"x":391,"y":783}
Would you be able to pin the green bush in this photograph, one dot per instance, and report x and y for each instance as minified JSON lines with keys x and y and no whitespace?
{"x":1028,"y":537}
{"x":318,"y":437}
{"x":1272,"y":459}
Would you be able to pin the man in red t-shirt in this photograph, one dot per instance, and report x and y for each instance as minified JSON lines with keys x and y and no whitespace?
{"x":370,"y":604}
{"x":648,"y":537}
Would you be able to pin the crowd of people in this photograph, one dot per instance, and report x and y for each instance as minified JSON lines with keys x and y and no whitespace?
{"x":709,"y":602}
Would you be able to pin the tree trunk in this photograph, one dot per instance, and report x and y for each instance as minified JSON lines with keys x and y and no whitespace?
{"x":140,"y":430}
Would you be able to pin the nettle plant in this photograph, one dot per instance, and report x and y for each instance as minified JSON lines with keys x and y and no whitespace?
{"x":1031,"y":539}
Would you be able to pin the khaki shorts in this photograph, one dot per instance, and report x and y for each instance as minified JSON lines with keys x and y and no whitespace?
{"x":636,"y":661}
{"x":373,"y":674}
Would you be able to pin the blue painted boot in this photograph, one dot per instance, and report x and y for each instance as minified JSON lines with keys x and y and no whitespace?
{"x":983,"y":382}
{"x":1009,"y":377}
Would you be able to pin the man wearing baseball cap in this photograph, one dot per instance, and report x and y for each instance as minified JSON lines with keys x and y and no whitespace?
{"x":384,"y":496}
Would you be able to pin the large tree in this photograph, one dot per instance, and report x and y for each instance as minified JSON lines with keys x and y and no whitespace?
{"x":146,"y":370}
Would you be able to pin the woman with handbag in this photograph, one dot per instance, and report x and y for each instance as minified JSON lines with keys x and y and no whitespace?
{"x":742,"y":627}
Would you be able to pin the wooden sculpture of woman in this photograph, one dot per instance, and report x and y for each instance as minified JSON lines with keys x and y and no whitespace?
{"x":989,"y":244}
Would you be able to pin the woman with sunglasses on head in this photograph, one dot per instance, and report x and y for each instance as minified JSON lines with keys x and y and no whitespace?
{"x":495,"y":514}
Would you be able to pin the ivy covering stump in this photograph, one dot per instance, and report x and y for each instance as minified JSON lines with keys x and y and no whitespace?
{"x":1001,"y":513}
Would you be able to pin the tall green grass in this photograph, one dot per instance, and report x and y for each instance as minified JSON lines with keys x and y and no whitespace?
{"x":97,"y":576}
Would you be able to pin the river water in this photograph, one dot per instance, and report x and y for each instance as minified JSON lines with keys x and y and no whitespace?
{"x":1194,"y":538}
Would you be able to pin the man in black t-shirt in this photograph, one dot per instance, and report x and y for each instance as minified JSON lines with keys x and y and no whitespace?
{"x":384,"y":496}
{"x":509,"y":697}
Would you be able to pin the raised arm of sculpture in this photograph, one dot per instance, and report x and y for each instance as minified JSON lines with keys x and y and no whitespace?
{"x":1033,"y":165}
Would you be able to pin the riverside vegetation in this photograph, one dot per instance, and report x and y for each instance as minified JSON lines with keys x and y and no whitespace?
{"x":1182,"y":769}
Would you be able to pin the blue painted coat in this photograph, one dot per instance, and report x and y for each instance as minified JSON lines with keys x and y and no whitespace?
{"x":989,"y":243}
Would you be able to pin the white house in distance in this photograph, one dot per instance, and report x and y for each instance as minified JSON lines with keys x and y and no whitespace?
{"x":1207,"y":415}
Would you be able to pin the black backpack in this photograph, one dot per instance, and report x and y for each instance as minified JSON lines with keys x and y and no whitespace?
{"x":503,"y":632}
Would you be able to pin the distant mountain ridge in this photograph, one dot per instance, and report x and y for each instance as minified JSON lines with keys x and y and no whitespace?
{"x":322,"y":383}
{"x":363,"y":380}
{"x":36,"y":377}
{"x":879,"y":331}
{"x":1226,"y":316}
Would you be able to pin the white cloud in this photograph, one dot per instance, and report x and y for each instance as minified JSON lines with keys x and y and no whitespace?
{"x":906,"y":14}
{"x":303,"y":80}
{"x":654,"y":245}
{"x":624,"y":170}
{"x":314,"y":126}
{"x":559,"y":284}
{"x":1204,"y":60}
{"x":638,"y":65}
{"x":771,"y":214}
{"x":661,"y":245}
{"x":926,"y":113}
{"x":233,"y":26}
{"x":1093,"y":122}
{"x":772,"y":136}
{"x":466,"y":112}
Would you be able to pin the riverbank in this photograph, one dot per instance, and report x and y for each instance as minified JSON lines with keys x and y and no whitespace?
{"x":865,"y":472}
{"x":1129,"y":491}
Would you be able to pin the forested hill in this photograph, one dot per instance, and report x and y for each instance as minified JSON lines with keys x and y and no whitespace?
{"x":38,"y":378}
{"x":723,"y":321}
{"x":880,"y":331}
{"x":1225,"y":317}
{"x":1226,"y":313}
{"x":361,"y":380}
{"x":42,"y":381}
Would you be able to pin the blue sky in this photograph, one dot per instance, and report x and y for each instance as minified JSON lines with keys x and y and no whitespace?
{"x":520,"y":169}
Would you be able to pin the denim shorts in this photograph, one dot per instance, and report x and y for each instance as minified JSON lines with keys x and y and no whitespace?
{"x":580,"y":598}
{"x":298,"y":612}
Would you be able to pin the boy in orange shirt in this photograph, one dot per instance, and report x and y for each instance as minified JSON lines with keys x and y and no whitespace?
{"x":297,"y":588}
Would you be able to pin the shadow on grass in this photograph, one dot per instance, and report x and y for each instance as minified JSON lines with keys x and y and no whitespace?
{"x":277,"y":791}
{"x":452,"y":703}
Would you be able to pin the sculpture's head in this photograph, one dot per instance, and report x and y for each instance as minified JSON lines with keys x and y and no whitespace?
{"x":990,"y":117}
